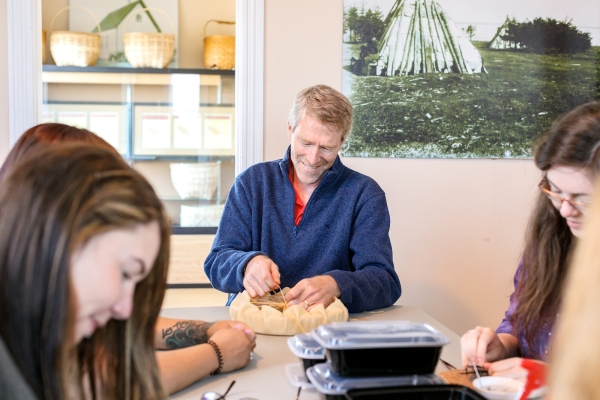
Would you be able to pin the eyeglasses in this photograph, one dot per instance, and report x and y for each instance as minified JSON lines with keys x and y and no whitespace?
{"x":557,"y":200}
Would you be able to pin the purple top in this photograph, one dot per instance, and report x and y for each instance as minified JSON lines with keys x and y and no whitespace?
{"x":542,"y":339}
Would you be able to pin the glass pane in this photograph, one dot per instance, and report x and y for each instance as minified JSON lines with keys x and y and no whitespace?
{"x":175,"y":125}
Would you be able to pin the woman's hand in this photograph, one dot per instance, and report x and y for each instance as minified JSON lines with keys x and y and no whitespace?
{"x":509,"y":368}
{"x":228,"y":324}
{"x":181,"y":367}
{"x":235,"y":346}
{"x":482,"y":345}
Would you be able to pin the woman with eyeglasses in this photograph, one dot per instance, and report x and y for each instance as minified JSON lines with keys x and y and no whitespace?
{"x":569,"y":158}
{"x":84,"y":250}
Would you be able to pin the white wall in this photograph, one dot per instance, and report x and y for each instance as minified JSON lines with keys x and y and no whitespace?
{"x":4,"y":130}
{"x":457,"y":225}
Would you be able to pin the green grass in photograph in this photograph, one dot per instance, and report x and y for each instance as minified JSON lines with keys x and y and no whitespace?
{"x":498,"y":114}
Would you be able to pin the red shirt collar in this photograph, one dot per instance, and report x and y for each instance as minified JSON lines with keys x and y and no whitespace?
{"x":299,"y":206}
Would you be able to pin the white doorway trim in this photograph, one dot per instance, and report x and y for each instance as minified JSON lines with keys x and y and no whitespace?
{"x":24,"y":33}
{"x":249,"y":78}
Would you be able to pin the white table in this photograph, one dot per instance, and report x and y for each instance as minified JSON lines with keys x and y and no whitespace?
{"x":264,"y":377}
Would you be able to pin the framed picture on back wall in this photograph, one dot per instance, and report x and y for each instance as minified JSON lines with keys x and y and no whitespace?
{"x":457,"y":79}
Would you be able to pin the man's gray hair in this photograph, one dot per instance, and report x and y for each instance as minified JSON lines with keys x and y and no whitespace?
{"x":324,"y":103}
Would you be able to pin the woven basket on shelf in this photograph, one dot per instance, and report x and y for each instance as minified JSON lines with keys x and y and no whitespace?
{"x":153,"y":50}
{"x":219,"y":50}
{"x":79,"y":49}
{"x":196,"y":180}
{"x":205,"y":215}
{"x":43,"y":47}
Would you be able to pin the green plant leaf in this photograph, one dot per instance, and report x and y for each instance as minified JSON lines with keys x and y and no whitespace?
{"x":150,"y":16}
{"x":114,"y":19}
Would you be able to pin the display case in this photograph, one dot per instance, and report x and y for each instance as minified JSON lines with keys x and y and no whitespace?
{"x":175,"y":126}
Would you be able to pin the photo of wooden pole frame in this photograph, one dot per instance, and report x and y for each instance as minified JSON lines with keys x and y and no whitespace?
{"x":447,"y":79}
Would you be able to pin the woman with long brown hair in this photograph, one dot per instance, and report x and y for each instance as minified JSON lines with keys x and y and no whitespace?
{"x":50,"y":134}
{"x":569,"y":159}
{"x":84,"y":249}
{"x":190,"y":356}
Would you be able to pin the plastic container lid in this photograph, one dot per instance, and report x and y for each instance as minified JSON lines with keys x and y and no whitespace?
{"x":296,"y":375}
{"x":327,"y":382}
{"x":431,"y":392}
{"x":377,"y":334}
{"x":305,"y":346}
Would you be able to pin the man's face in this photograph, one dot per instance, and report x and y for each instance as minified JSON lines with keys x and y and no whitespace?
{"x":314,"y":148}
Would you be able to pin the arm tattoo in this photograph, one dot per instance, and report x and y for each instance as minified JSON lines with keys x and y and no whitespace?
{"x":185,"y":334}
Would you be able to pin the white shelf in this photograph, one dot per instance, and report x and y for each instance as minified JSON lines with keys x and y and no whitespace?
{"x":104,"y":78}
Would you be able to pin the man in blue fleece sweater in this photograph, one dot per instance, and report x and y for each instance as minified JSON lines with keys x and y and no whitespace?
{"x":307,"y":221}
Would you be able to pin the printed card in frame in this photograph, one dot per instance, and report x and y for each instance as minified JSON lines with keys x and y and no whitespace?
{"x":187,"y":130}
{"x":105,"y":120}
{"x":156,"y":130}
{"x":217,"y":131}
{"x":162,"y":130}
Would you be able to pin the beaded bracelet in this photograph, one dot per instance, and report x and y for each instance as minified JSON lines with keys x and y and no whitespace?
{"x":219,"y":357}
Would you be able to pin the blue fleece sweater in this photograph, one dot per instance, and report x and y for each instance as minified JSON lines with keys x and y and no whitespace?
{"x":343,"y":233}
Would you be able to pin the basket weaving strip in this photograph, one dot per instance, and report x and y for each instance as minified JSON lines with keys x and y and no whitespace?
{"x":292,"y":321}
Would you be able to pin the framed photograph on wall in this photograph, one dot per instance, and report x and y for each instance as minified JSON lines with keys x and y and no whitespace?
{"x":162,"y":130}
{"x":457,"y":79}
{"x":106,"y":120}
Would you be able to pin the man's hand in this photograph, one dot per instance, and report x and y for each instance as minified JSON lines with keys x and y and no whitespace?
{"x":261,"y":276}
{"x":308,"y":292}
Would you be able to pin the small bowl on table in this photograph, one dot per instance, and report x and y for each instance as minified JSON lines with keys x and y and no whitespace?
{"x":502,"y":388}
{"x":498,"y":388}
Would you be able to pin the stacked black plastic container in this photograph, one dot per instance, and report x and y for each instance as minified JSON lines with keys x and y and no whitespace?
{"x":376,"y":360}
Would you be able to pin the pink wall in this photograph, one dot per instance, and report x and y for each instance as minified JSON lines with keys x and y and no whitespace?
{"x":457,"y":225}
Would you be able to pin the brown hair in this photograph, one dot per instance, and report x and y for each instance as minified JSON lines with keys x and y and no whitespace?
{"x":50,"y":133}
{"x":54,"y":200}
{"x":574,"y":361}
{"x":324,"y":103}
{"x":574,"y":141}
